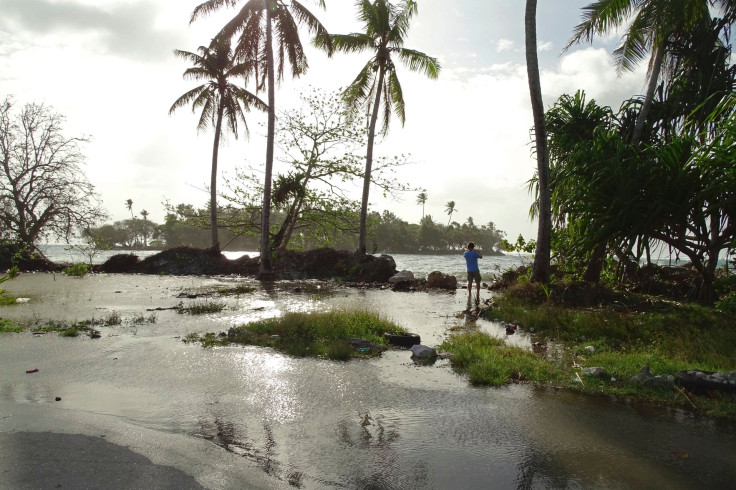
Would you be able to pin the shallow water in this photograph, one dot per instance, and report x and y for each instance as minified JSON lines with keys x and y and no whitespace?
{"x":306,"y":423}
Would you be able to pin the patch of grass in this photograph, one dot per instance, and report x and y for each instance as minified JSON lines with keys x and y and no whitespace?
{"x":7,"y":299}
{"x":76,"y":270}
{"x":236,"y":290}
{"x":113,"y":318}
{"x":325,"y":334}
{"x":139,"y":319}
{"x":489,"y":361}
{"x":201,"y":307}
{"x":7,"y":325}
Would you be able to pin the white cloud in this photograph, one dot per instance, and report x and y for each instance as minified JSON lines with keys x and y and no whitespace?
{"x":504,"y":45}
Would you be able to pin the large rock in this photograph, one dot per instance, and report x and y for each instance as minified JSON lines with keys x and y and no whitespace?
{"x":597,"y":371}
{"x":437,"y":279}
{"x":403,"y":276}
{"x":423,"y":352}
{"x":648,"y":380}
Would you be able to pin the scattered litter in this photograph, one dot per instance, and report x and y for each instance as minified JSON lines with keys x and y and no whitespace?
{"x":58,"y":398}
{"x":22,"y":300}
{"x":31,"y":371}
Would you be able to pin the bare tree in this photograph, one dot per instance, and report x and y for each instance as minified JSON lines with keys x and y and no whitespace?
{"x":43,"y":191}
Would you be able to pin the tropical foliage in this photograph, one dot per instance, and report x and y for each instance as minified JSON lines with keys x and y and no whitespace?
{"x":218,"y":99}
{"x":377,"y":85}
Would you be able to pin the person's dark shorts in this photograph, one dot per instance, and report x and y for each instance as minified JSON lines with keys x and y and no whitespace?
{"x":473,"y":275}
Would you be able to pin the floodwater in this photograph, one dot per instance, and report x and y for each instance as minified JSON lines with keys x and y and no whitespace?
{"x":245,"y":417}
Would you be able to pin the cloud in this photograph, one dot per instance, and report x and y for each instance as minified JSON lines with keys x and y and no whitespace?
{"x":124,"y":29}
{"x":504,"y":45}
{"x":542,"y":47}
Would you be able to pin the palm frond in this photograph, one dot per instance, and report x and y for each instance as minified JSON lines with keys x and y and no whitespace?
{"x":304,"y":16}
{"x":417,"y":61}
{"x":187,"y":98}
{"x":357,"y":92}
{"x":397,"y":96}
{"x":600,"y":17}
{"x":351,"y":43}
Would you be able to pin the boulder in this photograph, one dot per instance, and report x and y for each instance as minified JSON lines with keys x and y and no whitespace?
{"x":423,"y":352}
{"x":437,"y":279}
{"x":403,"y":276}
{"x":597,"y":371}
{"x":648,"y":380}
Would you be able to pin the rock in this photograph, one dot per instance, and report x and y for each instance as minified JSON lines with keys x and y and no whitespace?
{"x":597,"y":371}
{"x":647,"y":380}
{"x":401,"y":277}
{"x":590,"y":348}
{"x":423,"y":352}
{"x":437,"y":279}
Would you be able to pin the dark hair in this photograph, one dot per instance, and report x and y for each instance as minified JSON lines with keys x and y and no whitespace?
{"x":471,"y":245}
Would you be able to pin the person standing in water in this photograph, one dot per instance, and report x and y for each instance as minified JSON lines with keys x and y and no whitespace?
{"x":471,"y":259}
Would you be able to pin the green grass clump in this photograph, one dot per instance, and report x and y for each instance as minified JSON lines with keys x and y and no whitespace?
{"x":6,"y":299}
{"x":489,"y":361}
{"x":324,"y":334}
{"x":201,"y":307}
{"x":76,"y":270}
{"x":7,"y":325}
{"x":236,"y":290}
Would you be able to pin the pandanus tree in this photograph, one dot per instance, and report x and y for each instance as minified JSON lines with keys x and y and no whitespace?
{"x":377,"y":85}
{"x":653,"y":26}
{"x":219,"y":100}
{"x":257,"y":26}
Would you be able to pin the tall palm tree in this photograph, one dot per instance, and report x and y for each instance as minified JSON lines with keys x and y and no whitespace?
{"x":542,"y":255}
{"x":422,"y":199}
{"x":377,"y":85}
{"x":129,"y":205}
{"x":450,"y":210}
{"x":218,"y":99}
{"x":255,"y":26}
{"x":652,"y":25}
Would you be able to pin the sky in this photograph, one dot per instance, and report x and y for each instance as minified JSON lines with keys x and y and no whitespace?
{"x":108,"y":67}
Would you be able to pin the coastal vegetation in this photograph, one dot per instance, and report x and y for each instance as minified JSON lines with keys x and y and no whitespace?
{"x":337,"y":335}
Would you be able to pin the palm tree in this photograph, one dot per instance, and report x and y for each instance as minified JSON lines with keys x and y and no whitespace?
{"x":422,"y":199}
{"x":652,"y":26}
{"x":377,"y":85}
{"x":541,"y":269}
{"x":129,"y":205}
{"x":218,"y":99}
{"x":450,"y":210}
{"x":254,"y":25}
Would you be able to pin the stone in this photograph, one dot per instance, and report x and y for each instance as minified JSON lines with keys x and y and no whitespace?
{"x":590,"y":348}
{"x":401,"y":277}
{"x":423,"y":352}
{"x":597,"y":371}
{"x":437,"y":279}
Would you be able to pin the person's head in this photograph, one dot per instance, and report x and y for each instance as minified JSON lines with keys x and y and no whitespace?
{"x":471,"y":245}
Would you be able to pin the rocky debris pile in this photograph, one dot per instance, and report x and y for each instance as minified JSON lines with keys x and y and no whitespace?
{"x":698,"y":381}
{"x":323,"y":263}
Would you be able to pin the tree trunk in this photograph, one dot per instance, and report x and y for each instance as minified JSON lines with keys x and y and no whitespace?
{"x":647,"y":104}
{"x":368,"y":164}
{"x":595,"y":265}
{"x":213,"y":178}
{"x":541,"y":269}
{"x":265,"y":269}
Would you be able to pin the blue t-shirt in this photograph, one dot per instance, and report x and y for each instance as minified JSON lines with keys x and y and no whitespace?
{"x":471,"y":258}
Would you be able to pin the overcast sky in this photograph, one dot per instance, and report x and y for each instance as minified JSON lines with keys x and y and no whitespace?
{"x":108,"y":67}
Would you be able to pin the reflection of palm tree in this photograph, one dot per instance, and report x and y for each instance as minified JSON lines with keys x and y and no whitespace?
{"x":218,"y":99}
{"x":422,"y":199}
{"x":652,"y":25}
{"x":377,"y":84}
{"x":450,"y":209}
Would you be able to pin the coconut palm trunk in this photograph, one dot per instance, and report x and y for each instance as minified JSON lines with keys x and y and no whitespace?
{"x":213,"y":177}
{"x":541,"y":269}
{"x":265,"y":271}
{"x":369,"y":164}
{"x":649,"y":96}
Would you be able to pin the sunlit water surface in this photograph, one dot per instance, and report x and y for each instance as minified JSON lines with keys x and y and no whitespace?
{"x":384,"y":423}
